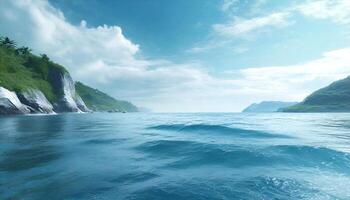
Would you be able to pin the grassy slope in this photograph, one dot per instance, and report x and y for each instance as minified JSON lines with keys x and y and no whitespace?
{"x":19,"y":72}
{"x":97,"y":100}
{"x":333,"y":98}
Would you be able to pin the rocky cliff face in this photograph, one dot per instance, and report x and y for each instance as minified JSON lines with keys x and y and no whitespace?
{"x":36,"y":100}
{"x":69,"y":100}
{"x":10,"y":104}
{"x":66,"y":103}
{"x":35,"y":84}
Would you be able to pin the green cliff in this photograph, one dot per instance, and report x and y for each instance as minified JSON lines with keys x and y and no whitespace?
{"x":35,"y":84}
{"x":20,"y":70}
{"x":99,"y":101}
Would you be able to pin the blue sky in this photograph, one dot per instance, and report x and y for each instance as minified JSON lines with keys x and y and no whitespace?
{"x":170,"y":29}
{"x":190,"y":55}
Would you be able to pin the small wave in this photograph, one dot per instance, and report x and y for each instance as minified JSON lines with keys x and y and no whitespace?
{"x":313,"y":156}
{"x":25,"y":159}
{"x":259,"y":187}
{"x":217,"y":129}
{"x":186,"y":154}
{"x":134,"y":177}
{"x":104,"y":141}
{"x":191,"y":154}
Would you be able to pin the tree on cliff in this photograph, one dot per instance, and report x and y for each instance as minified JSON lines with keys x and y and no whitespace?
{"x":7,"y":43}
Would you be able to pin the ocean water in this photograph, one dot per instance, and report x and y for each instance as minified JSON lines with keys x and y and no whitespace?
{"x":175,"y":156}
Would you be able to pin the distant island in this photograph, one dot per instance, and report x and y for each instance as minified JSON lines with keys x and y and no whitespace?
{"x":267,"y":106}
{"x":35,"y":84}
{"x":333,"y":98}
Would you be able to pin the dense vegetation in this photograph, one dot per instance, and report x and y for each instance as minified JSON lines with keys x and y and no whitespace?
{"x":20,"y":69}
{"x":97,"y":100}
{"x":334,"y":98}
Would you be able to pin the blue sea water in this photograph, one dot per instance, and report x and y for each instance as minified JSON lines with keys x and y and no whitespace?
{"x":175,"y":156}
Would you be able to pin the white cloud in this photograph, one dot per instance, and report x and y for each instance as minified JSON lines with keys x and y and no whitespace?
{"x":238,"y":28}
{"x":241,"y":27}
{"x":228,"y":4}
{"x":227,"y":33}
{"x":42,"y":27}
{"x":294,"y":82}
{"x":103,"y":57}
{"x":335,"y":10}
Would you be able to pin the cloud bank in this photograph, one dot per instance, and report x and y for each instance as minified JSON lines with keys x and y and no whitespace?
{"x":104,"y":58}
{"x":241,"y":27}
{"x":334,"y":10}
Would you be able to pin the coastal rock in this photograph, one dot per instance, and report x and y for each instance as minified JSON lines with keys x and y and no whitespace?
{"x":67,"y":102}
{"x":64,"y":85}
{"x":36,"y":100}
{"x":10,"y":104}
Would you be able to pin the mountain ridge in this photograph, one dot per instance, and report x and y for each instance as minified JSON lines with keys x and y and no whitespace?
{"x":332,"y":98}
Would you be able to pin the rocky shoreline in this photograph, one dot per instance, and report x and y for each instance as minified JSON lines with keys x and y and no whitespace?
{"x":33,"y":101}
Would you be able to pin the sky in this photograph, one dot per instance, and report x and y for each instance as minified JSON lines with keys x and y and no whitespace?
{"x":189,"y":55}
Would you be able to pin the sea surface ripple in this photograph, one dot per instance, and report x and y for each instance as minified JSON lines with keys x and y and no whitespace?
{"x":175,"y":156}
